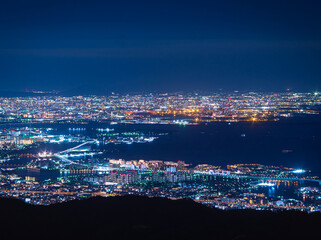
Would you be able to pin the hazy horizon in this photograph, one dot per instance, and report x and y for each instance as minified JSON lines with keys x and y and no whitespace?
{"x":160,"y":45}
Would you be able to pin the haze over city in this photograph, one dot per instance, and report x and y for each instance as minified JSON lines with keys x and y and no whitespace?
{"x":160,"y":119}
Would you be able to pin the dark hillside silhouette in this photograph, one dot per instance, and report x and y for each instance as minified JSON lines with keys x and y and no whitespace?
{"x":134,"y":217}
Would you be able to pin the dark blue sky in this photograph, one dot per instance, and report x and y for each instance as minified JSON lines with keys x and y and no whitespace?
{"x":160,"y":45}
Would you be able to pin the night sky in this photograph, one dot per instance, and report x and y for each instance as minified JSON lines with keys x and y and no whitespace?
{"x":128,"y":46}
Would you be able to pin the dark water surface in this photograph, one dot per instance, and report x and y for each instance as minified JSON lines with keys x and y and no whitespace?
{"x":242,"y":142}
{"x":221,"y":143}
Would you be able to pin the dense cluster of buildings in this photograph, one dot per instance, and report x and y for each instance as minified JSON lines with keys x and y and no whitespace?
{"x":49,"y":177}
{"x":160,"y":108}
{"x":66,"y":171}
{"x":15,"y":139}
{"x":240,"y":186}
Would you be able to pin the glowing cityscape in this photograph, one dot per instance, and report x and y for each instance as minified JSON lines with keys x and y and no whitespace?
{"x":161,"y":108}
{"x":45,"y":165}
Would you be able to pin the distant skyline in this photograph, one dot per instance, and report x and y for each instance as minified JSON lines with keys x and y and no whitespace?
{"x":144,"y":46}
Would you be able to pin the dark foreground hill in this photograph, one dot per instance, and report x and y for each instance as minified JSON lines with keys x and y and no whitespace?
{"x":133,"y":217}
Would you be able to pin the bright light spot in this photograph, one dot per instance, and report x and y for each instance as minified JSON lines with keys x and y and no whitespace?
{"x":45,"y":154}
{"x":266,"y":184}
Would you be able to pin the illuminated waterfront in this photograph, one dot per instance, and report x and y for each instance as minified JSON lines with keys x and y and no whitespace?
{"x":48,"y":163}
